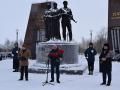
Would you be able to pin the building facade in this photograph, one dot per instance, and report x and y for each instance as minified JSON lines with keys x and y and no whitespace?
{"x":114,"y":24}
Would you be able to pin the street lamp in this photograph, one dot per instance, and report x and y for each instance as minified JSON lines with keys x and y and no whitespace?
{"x":91,"y":35}
{"x":17,"y":35}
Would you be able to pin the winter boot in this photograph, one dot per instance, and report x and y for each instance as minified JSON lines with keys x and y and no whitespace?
{"x":58,"y":81}
{"x":51,"y":80}
{"x":103,"y":83}
{"x":20,"y":79}
{"x":108,"y":84}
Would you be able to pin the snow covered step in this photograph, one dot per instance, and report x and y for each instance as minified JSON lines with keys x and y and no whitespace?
{"x":71,"y":69}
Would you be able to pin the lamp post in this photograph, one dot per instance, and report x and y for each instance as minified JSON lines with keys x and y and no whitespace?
{"x":91,"y":35}
{"x":17,"y":35}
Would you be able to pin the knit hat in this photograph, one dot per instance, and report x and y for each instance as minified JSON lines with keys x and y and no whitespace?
{"x":65,"y":2}
{"x":106,"y":44}
{"x":90,"y":43}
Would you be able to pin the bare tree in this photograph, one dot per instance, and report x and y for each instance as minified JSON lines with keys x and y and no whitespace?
{"x":9,"y":45}
{"x":101,"y":38}
{"x":83,"y":45}
{"x":98,"y":41}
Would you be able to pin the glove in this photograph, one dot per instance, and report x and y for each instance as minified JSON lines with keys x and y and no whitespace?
{"x":60,"y":59}
{"x":86,"y":58}
{"x":103,"y":59}
{"x":16,"y":51}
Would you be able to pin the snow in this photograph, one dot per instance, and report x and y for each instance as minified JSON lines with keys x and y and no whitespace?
{"x":9,"y":79}
{"x":59,"y":42}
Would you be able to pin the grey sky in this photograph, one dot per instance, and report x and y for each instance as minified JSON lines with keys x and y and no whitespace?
{"x":90,"y":14}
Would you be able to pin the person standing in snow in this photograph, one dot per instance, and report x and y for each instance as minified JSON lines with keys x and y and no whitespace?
{"x":90,"y":56}
{"x":106,"y":64}
{"x":55,"y":56}
{"x":15,"y":57}
{"x":24,"y":55}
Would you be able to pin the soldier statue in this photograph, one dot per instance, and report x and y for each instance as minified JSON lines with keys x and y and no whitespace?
{"x":67,"y":16}
{"x":55,"y":22}
{"x":47,"y":20}
{"x":52,"y":25}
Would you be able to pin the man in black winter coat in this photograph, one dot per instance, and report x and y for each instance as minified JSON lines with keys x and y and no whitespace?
{"x":90,"y":56}
{"x":15,"y":58}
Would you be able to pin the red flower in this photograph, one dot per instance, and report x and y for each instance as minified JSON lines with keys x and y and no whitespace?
{"x":55,"y":55}
{"x":61,"y":51}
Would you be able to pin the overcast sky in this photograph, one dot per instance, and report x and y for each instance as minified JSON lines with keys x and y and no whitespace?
{"x":90,"y":14}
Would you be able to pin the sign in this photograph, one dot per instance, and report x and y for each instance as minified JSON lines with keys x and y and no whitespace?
{"x":116,"y":15}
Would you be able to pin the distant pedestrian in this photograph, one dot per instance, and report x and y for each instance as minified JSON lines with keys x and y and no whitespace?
{"x":55,"y":57}
{"x":106,"y":64}
{"x":90,"y":56}
{"x":15,"y":57}
{"x":24,"y":55}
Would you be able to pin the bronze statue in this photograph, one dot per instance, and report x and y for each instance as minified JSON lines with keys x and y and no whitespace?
{"x":48,"y":20}
{"x":67,"y":16}
{"x":55,"y":22}
{"x":52,"y":17}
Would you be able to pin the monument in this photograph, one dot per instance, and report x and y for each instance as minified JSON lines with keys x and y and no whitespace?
{"x":52,"y":22}
{"x":43,"y":31}
{"x":35,"y":31}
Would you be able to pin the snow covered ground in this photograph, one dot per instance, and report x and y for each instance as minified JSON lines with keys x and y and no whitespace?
{"x":9,"y":79}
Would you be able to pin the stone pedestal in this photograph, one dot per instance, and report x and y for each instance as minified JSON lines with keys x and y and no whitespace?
{"x":70,"y":51}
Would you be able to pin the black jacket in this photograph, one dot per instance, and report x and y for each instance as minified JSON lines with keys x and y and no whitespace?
{"x":15,"y":52}
{"x":90,"y":54}
{"x":105,"y":66}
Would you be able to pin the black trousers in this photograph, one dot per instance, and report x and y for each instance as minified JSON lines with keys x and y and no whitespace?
{"x":0,"y":57}
{"x":90,"y":66}
{"x":53,"y":67}
{"x":24,"y":70}
{"x":15,"y":64}
{"x":69,"y":27}
{"x":100,"y":66}
{"x":105,"y":75}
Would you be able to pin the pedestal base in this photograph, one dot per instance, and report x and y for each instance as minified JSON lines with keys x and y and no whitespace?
{"x":71,"y":69}
{"x":70,"y":51}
